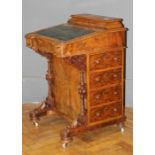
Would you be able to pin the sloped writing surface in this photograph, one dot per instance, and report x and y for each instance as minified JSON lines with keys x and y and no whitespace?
{"x":64,"y":32}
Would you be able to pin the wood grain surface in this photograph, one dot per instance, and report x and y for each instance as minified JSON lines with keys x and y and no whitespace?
{"x":85,"y":72}
{"x":100,"y":141}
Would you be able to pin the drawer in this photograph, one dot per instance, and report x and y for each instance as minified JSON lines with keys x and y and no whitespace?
{"x":106,"y":59}
{"x":105,"y":95}
{"x":103,"y":78}
{"x":106,"y":112}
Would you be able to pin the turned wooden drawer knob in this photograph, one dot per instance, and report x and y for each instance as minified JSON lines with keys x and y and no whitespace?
{"x":114,"y":75}
{"x":97,"y":61}
{"x":97,"y":79}
{"x":98,"y":114}
{"x":115,"y":109}
{"x":115,"y":93}
{"x":97,"y":96}
{"x":115,"y":58}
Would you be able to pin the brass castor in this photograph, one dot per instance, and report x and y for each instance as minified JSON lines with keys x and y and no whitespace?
{"x":64,"y":145}
{"x":122,"y":130}
{"x":66,"y":137}
{"x":121,"y":126}
{"x":36,"y":124}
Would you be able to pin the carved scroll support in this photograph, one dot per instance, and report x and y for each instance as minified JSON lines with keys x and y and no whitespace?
{"x":47,"y":106}
{"x":80,"y":123}
{"x":82,"y":92}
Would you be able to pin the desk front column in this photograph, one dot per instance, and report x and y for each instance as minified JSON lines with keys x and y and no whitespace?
{"x":47,"y":106}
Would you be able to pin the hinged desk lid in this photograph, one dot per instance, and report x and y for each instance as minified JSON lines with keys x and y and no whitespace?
{"x":82,"y":33}
{"x":64,"y":32}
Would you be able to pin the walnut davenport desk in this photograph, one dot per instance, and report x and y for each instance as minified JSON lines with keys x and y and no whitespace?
{"x":85,"y":73}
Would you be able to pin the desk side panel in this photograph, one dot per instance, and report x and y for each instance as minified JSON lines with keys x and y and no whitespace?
{"x":65,"y":89}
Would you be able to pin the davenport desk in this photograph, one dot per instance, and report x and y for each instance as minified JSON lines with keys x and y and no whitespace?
{"x":85,"y":73}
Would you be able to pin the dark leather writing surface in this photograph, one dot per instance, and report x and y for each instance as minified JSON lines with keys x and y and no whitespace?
{"x":64,"y":32}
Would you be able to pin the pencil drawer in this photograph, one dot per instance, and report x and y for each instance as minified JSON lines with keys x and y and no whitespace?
{"x":110,"y":111}
{"x":105,"y":95}
{"x":103,"y":78}
{"x":106,"y":59}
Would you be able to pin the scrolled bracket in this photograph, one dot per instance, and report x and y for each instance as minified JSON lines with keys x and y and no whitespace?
{"x":80,"y":122}
{"x":78,"y":61}
{"x":48,"y":105}
{"x":82,"y":92}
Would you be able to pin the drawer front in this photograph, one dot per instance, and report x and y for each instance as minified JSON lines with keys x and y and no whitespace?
{"x":106,"y":59}
{"x":106,"y":112}
{"x":105,"y":95}
{"x":99,"y":79}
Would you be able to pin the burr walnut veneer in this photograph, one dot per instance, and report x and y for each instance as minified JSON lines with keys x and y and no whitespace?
{"x":85,"y":72}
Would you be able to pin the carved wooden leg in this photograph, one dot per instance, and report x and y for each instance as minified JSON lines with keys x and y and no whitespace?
{"x":66,"y":137}
{"x":76,"y":127}
{"x":80,"y":123}
{"x":43,"y":109}
{"x":47,"y":106}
